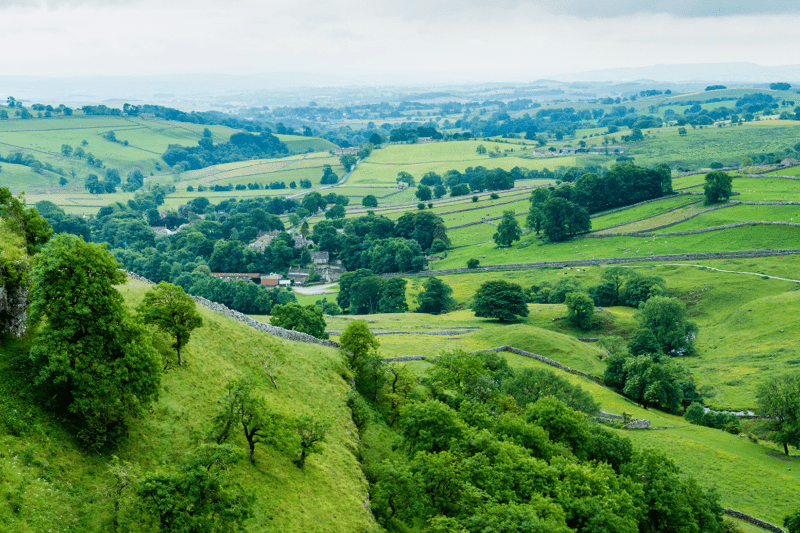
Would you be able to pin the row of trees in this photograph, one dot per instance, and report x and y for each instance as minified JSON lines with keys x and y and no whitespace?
{"x":240,"y":147}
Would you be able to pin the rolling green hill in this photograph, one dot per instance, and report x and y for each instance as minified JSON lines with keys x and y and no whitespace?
{"x":49,"y":482}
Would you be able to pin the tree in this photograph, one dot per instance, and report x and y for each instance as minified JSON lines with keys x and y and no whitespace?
{"x":26,"y":223}
{"x":792,"y":522}
{"x":134,"y":181}
{"x":481,"y":149}
{"x":718,"y":187}
{"x":196,"y":496}
{"x":357,"y":341}
{"x":652,"y":384}
{"x":337,"y":211}
{"x":172,"y":311}
{"x":66,"y":150}
{"x":564,"y":425}
{"x":666,"y":318}
{"x":563,"y":218}
{"x":779,"y":399}
{"x":473,"y":263}
{"x":580,"y":310}
{"x":393,"y":296}
{"x":535,"y":219}
{"x":369,"y":201}
{"x":435,"y":297}
{"x":312,"y":432}
{"x":241,"y":405}
{"x":91,"y":356}
{"x":348,"y":161}
{"x":296,"y":317}
{"x":508,"y":230}
{"x":423,"y":193}
{"x":499,"y":299}
{"x":439,"y":191}
{"x":406,"y":178}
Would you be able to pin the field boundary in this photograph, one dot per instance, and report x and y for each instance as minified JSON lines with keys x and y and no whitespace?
{"x":289,"y":335}
{"x":605,"y":261}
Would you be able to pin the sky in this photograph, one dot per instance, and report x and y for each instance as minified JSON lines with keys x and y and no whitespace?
{"x":468,"y":40}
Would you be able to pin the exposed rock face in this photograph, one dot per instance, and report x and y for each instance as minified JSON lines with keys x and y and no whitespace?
{"x":13,"y":312}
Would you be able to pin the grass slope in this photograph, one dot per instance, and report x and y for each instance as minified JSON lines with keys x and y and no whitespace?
{"x":56,"y":486}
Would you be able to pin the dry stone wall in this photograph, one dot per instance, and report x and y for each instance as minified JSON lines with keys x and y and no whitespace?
{"x":605,"y":261}
{"x":754,"y":521}
{"x":693,"y":232}
{"x":290,"y":335}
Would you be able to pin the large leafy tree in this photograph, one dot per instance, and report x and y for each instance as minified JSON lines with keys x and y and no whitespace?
{"x":435,"y":297}
{"x":508,"y":230}
{"x":666,"y":318}
{"x":500,"y":299}
{"x":393,"y":296}
{"x":779,"y":399}
{"x":304,"y":318}
{"x":173,"y":311}
{"x":580,"y":310}
{"x":93,"y":358}
{"x":564,"y":218}
{"x":718,"y":187}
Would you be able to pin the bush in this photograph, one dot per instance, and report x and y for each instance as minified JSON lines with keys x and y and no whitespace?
{"x":494,"y":196}
{"x":473,"y":263}
{"x":474,"y":199}
{"x":420,"y":206}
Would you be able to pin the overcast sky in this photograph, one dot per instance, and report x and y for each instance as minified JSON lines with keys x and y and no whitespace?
{"x":491,"y":40}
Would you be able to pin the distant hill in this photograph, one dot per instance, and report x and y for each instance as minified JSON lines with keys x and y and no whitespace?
{"x":707,"y":72}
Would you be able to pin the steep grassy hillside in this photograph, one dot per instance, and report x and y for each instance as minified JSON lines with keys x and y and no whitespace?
{"x":48,"y":483}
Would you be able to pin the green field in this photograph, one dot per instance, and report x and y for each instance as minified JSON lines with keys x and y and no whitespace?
{"x":634,"y":213}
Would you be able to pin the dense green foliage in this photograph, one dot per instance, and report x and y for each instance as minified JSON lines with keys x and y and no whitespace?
{"x":501,"y":300}
{"x":718,"y":187}
{"x":435,"y":297}
{"x":91,"y":357}
{"x":240,"y":147}
{"x":470,"y":460}
{"x":303,"y":318}
{"x":508,"y":230}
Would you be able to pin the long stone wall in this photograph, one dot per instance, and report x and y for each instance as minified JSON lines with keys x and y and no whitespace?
{"x":605,"y":261}
{"x":648,"y":217}
{"x":290,"y":335}
{"x":754,"y":521}
{"x":624,"y":208}
{"x":693,"y":232}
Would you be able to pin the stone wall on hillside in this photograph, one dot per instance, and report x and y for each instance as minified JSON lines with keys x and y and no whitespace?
{"x":290,"y":335}
{"x":647,"y":218}
{"x":638,"y":424}
{"x":693,"y":232}
{"x":754,"y":521}
{"x":606,"y":261}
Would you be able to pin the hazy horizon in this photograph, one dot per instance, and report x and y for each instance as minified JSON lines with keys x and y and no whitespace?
{"x":468,"y":41}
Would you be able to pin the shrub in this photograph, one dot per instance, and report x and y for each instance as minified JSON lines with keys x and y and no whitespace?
{"x":473,"y":263}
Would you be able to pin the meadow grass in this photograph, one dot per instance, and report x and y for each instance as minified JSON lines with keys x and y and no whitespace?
{"x":57,"y":486}
{"x":736,"y":213}
{"x":641,"y":211}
